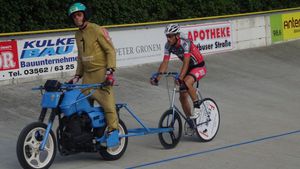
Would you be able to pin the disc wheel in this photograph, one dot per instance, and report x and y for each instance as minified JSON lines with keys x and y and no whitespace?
{"x":208,"y":121}
{"x":170,"y":120}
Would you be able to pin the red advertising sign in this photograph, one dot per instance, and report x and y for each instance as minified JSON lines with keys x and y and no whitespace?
{"x":210,"y":38}
{"x":8,"y":55}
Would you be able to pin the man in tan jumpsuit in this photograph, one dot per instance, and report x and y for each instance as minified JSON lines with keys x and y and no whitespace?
{"x":96,"y":60}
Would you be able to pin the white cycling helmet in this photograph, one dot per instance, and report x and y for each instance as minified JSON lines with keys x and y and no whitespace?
{"x":172,"y":29}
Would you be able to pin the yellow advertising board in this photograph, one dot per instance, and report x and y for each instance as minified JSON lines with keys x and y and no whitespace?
{"x":291,"y":25}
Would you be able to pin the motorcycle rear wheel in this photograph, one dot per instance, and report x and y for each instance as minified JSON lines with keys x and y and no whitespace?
{"x":116,"y":152}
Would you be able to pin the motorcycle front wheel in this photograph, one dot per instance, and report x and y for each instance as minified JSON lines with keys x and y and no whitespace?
{"x":29,"y":141}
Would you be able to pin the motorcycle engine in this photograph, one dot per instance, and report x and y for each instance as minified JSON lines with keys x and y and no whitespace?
{"x":77,"y":134}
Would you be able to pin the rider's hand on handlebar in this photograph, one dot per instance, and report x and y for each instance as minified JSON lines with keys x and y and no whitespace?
{"x":110,"y":79}
{"x":154,"y":79}
{"x":74,"y":80}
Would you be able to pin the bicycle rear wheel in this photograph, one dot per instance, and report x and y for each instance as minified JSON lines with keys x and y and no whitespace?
{"x":208,"y":121}
{"x":170,"y":139}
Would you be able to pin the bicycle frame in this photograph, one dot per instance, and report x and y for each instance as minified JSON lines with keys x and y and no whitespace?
{"x":172,"y":98}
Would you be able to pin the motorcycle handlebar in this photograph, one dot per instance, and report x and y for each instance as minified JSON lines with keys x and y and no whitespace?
{"x":67,"y":86}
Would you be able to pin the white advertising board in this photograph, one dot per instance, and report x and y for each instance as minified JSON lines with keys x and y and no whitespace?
{"x":210,"y":38}
{"x":138,"y":46}
{"x":39,"y":56}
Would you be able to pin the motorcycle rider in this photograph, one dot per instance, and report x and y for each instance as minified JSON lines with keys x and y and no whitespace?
{"x":96,"y":63}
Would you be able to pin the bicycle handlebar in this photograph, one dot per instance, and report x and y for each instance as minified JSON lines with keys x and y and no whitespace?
{"x":175,"y":75}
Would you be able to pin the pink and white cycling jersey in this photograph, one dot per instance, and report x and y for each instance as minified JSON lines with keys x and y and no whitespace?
{"x":185,"y":48}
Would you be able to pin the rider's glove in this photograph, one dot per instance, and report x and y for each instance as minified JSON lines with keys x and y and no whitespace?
{"x":178,"y":80}
{"x":74,"y":80}
{"x":154,"y":79}
{"x":110,"y":79}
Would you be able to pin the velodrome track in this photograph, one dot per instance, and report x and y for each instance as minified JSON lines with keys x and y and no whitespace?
{"x":258,"y":94}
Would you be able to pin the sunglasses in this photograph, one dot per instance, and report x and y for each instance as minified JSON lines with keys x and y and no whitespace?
{"x":170,"y":36}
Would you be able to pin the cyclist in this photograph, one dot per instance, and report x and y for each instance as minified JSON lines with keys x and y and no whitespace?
{"x":192,"y":69}
{"x":96,"y":62}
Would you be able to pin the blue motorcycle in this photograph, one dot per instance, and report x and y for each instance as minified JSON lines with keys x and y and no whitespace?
{"x":81,"y":127}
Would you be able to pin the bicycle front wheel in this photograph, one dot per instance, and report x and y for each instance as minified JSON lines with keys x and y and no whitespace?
{"x":208,"y":121}
{"x":169,"y":120}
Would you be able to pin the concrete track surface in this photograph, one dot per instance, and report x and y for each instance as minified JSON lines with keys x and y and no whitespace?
{"x":258,"y":94}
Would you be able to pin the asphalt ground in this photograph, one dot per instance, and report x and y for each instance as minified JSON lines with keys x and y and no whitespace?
{"x":258,"y":94}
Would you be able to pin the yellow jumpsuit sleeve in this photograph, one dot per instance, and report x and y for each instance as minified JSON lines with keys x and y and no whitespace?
{"x":107,"y":45}
{"x":79,"y":69}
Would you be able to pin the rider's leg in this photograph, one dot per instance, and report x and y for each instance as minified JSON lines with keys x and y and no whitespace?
{"x":104,"y":97}
{"x":189,"y":82}
{"x":183,"y":97}
{"x":194,"y":75}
